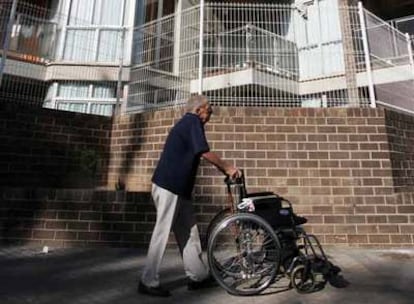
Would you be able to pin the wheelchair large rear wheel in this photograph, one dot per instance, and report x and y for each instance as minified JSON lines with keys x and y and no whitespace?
{"x":244,"y":254}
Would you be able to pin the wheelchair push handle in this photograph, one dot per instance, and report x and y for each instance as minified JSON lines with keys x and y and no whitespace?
{"x":239,"y":185}
{"x":235,"y":181}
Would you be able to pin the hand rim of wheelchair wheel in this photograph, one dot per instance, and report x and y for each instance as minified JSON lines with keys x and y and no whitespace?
{"x":302,"y":284}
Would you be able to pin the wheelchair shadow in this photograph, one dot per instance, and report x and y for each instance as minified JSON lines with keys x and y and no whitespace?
{"x":278,"y":287}
{"x":274,"y":290}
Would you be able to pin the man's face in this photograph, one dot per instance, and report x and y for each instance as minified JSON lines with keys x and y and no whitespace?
{"x":205,"y":112}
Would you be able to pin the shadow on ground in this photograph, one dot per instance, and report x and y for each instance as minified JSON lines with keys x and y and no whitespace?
{"x":110,"y":275}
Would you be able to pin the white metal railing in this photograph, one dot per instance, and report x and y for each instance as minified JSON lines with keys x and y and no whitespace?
{"x":252,"y":54}
{"x":392,"y":64}
{"x":404,"y":25}
{"x":269,"y":55}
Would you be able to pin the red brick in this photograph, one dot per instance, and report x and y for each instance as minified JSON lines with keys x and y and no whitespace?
{"x":407,"y":229}
{"x":325,"y":229}
{"x":367,"y":229}
{"x":378,"y":239}
{"x":403,"y":239}
{"x":322,"y":209}
{"x":65,"y":235}
{"x":88,"y":236}
{"x":343,"y":210}
{"x":355,"y":219}
{"x":398,"y":218}
{"x":345,"y":229}
{"x":405,"y":209}
{"x":334,"y":219}
{"x":358,"y":239}
{"x":376,"y":219}
{"x":385,"y":209}
{"x":336,"y":239}
{"x":44,"y":234}
{"x":364,"y":209}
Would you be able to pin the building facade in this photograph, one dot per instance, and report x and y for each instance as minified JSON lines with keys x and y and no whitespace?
{"x":67,"y":54}
{"x":304,"y":53}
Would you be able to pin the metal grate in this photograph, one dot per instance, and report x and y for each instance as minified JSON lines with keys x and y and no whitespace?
{"x":255,"y":53}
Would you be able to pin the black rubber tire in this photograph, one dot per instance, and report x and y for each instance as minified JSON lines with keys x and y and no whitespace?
{"x":302,"y":279}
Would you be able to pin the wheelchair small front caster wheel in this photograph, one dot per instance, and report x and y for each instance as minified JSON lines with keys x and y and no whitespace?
{"x":302,"y":279}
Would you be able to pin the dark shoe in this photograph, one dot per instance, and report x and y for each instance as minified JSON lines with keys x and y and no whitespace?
{"x":338,"y":281}
{"x":206,"y":283}
{"x":153,"y":291}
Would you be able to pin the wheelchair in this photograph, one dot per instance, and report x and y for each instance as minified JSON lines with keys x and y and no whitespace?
{"x":258,"y":240}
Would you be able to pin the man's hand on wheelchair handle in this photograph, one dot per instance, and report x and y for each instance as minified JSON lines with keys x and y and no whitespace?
{"x":233,"y":173}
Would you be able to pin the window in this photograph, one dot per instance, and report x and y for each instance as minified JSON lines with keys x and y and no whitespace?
{"x":76,"y":96}
{"x":319,"y":40}
{"x":79,"y":45}
{"x":96,"y":12}
{"x":94,"y":30}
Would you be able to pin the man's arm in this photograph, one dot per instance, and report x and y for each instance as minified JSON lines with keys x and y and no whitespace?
{"x":222,"y":165}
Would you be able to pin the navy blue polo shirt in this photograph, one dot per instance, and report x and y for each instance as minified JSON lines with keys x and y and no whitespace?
{"x":178,"y":164}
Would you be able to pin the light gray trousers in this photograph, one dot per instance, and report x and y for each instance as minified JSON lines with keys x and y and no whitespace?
{"x":177,"y":214}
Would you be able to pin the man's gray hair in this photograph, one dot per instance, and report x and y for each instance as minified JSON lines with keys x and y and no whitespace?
{"x":195,"y":102}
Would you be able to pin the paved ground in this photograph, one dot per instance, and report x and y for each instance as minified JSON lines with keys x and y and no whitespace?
{"x":107,"y":276}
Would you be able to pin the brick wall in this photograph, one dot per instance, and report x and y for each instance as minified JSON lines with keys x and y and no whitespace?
{"x":400,"y":130}
{"x":46,"y":148}
{"x":342,"y":168}
{"x":75,"y":217}
{"x":348,"y":170}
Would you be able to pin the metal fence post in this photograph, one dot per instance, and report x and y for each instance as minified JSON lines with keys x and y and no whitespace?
{"x":201,"y":49}
{"x":367,"y":54}
{"x":117,"y":110}
{"x":7,"y":39}
{"x":410,"y":51}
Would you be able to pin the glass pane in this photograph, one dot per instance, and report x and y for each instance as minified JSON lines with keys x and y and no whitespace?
{"x":109,"y":45}
{"x":79,"y":45}
{"x":74,"y":107}
{"x":104,"y":91}
{"x":312,"y":25}
{"x":80,"y":12}
{"x":128,"y":7}
{"x":108,"y":12}
{"x":48,"y":104}
{"x":329,"y":14}
{"x":333,"y":58}
{"x":101,"y":109}
{"x":73,"y":90}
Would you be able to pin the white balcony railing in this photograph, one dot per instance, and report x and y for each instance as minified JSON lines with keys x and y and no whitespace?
{"x":252,"y":54}
{"x":272,"y":55}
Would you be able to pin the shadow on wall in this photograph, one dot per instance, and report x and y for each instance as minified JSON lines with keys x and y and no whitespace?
{"x":48,"y":148}
{"x":40,"y":150}
{"x":75,"y":217}
{"x":137,"y":141}
{"x":128,"y":130}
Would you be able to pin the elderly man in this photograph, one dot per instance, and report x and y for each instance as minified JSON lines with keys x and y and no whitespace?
{"x":173,"y":183}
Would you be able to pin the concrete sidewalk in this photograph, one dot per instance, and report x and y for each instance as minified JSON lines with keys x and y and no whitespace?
{"x":107,"y":275}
